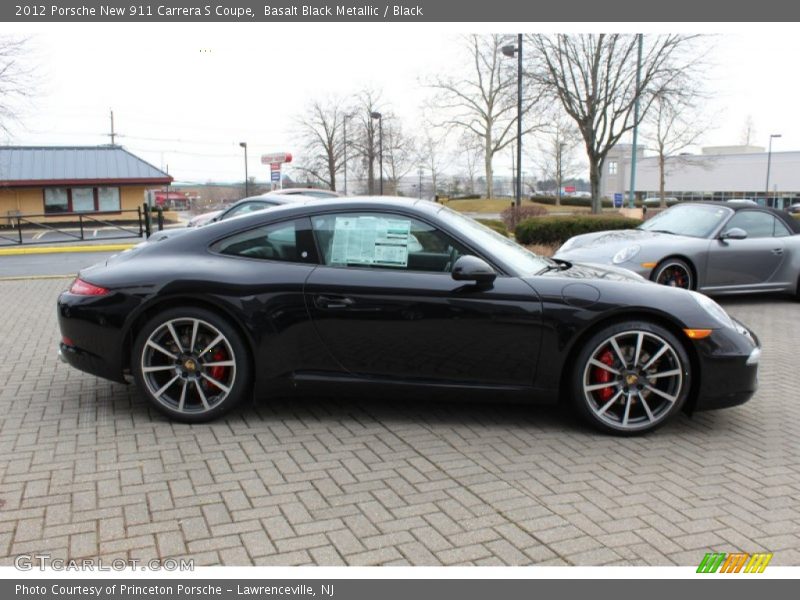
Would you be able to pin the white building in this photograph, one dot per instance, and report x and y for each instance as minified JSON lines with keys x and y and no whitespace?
{"x":718,"y":173}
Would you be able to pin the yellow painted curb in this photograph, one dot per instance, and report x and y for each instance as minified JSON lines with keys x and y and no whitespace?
{"x":26,"y":277}
{"x":57,"y":249}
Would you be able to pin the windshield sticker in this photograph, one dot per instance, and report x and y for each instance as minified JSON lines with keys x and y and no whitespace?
{"x":370,"y":241}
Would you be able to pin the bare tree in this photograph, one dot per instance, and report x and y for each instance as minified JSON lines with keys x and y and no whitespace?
{"x":673,"y":124}
{"x":557,"y":159}
{"x":323,"y":154}
{"x":16,"y":78}
{"x":594,"y":77}
{"x":433,"y":155}
{"x":365,"y":135}
{"x":748,"y":131}
{"x":484,"y":102}
{"x":399,"y":152}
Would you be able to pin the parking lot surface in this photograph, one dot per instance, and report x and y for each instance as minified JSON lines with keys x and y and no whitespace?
{"x":88,"y":470}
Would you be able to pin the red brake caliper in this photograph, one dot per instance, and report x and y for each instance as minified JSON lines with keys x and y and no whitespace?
{"x":217,"y":373}
{"x":602,"y":376}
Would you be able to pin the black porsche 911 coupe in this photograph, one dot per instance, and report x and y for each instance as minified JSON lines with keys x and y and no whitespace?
{"x":381,"y":295}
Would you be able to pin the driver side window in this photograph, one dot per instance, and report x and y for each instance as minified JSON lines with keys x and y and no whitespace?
{"x":757,"y":224}
{"x":384,"y":241}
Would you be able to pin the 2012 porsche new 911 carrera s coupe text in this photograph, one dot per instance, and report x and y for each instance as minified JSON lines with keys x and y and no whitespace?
{"x":389,"y":295}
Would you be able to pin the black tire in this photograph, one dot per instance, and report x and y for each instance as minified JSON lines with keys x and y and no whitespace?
{"x":191,"y":397}
{"x":675,"y":272}
{"x":611,"y":396}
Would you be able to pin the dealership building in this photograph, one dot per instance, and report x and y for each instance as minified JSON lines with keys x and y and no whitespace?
{"x":717,"y":173}
{"x":54,"y":183}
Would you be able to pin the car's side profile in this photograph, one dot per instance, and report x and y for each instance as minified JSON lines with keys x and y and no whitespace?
{"x":387,"y":296}
{"x":713,"y":247}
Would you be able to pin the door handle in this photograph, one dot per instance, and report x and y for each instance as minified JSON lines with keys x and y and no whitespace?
{"x":777,"y":251}
{"x":333,"y":302}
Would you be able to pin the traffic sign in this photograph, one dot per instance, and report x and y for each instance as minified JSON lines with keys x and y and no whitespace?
{"x":276,"y":157}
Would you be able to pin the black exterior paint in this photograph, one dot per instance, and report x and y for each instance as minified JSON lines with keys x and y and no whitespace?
{"x":309,"y":325}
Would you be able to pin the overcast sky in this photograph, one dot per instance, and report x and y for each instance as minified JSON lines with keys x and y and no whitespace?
{"x":185,"y":95}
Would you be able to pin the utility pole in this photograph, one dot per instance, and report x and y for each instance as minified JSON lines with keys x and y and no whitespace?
{"x":632,"y":193}
{"x":113,"y":135}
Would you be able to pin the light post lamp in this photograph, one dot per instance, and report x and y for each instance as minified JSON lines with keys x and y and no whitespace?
{"x":379,"y":116}
{"x":344,"y":131}
{"x":246,"y":183}
{"x":510,"y":51}
{"x":559,"y":169}
{"x":769,"y":164}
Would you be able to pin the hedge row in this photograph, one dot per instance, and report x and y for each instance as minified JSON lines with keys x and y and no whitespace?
{"x":495,"y":224}
{"x":513,"y":216}
{"x":570,"y":201}
{"x":558,"y":229}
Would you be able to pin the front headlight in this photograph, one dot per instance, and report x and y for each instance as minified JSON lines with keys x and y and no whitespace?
{"x":713,"y":309}
{"x":626,"y":254}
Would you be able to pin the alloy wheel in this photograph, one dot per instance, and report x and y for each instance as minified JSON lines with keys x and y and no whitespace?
{"x":632,"y":380}
{"x":188,"y":365}
{"x":675,"y":275}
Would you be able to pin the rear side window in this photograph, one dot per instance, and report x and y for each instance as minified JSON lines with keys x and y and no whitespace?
{"x":277,"y":241}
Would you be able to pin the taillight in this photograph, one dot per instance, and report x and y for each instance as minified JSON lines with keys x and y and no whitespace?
{"x":80,"y":287}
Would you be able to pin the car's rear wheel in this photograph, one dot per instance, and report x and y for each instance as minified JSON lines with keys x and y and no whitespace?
{"x":674,"y":272}
{"x":630,"y":378}
{"x":191,"y":364}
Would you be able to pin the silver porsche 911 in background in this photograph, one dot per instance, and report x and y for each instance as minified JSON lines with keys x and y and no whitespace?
{"x":712,"y":247}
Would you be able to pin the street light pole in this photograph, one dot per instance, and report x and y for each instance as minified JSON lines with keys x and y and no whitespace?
{"x":419,"y":171}
{"x":246,"y":183}
{"x":379,"y":116}
{"x":632,"y":193}
{"x":769,"y":164}
{"x":344,"y":129}
{"x":510,"y":51}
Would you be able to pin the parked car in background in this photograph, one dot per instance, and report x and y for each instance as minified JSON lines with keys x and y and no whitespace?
{"x":713,"y":247}
{"x":794,"y":209}
{"x":653,"y":202}
{"x":380,"y":296}
{"x":260,"y":202}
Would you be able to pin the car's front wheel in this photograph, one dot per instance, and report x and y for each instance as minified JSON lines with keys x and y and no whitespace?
{"x":630,"y":378}
{"x":191,"y":364}
{"x":674,"y":272}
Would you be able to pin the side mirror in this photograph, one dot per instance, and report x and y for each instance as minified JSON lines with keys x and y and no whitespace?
{"x":734,"y":233}
{"x":472,"y":268}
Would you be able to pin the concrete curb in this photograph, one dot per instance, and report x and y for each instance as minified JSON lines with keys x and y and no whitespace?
{"x":60,"y":249}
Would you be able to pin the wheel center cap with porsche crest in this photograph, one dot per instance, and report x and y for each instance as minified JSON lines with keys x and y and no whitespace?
{"x":190,"y":365}
{"x":632,"y":379}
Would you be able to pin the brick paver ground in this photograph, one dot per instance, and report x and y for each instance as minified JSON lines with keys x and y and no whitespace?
{"x":87,"y":469}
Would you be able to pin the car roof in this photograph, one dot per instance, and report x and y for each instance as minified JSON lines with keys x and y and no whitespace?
{"x":298,"y":205}
{"x":791,"y":223}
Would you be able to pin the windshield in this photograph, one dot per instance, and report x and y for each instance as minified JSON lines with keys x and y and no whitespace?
{"x":693,"y":220}
{"x":520,"y":259}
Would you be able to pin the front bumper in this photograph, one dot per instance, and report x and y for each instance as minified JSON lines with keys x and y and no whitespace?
{"x":728,"y":368}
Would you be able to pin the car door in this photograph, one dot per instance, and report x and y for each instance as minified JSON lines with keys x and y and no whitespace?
{"x":386,"y":306}
{"x":269,"y":264}
{"x":748,"y":263}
